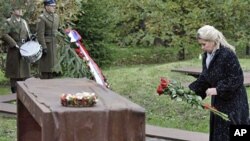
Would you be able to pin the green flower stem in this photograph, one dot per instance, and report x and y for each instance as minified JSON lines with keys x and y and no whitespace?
{"x":179,"y":93}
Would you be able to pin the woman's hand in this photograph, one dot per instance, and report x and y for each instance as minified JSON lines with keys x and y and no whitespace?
{"x":211,"y":91}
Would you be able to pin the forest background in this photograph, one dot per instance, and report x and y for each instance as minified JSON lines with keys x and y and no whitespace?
{"x":146,"y":31}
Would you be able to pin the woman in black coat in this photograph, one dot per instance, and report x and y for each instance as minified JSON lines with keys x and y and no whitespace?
{"x":222,"y":79}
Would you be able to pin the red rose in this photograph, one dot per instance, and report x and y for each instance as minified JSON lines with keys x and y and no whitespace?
{"x":63,"y":99}
{"x":164,"y":83}
{"x":163,"y":80}
{"x":79,"y":53}
{"x":160,"y":90}
{"x":175,"y":91}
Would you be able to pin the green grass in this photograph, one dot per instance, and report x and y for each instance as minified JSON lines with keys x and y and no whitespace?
{"x":7,"y":128}
{"x":3,"y":79}
{"x":4,"y":89}
{"x":138,"y":84}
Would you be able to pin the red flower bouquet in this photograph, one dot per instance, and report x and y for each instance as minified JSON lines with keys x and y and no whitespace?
{"x":177,"y":92}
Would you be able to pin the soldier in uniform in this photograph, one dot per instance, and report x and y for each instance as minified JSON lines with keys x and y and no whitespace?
{"x":47,"y":27}
{"x":17,"y":33}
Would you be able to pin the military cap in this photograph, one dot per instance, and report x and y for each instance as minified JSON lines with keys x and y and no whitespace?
{"x":49,"y":2}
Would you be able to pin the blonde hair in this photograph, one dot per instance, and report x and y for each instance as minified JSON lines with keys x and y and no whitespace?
{"x":210,"y":33}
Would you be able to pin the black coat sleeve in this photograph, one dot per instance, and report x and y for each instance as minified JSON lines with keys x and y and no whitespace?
{"x":200,"y":86}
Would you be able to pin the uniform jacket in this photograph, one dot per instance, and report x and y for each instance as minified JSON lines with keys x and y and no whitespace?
{"x":16,"y":66}
{"x":47,"y":27}
{"x":225,"y":74}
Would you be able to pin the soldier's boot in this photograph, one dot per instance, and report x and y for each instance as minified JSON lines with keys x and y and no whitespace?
{"x":13,"y":90}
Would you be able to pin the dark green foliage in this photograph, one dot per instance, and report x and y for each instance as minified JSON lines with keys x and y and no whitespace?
{"x":150,"y":23}
{"x":171,"y":23}
{"x":5,"y":9}
{"x":69,"y":64}
{"x":141,"y":55}
{"x":92,"y":26}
